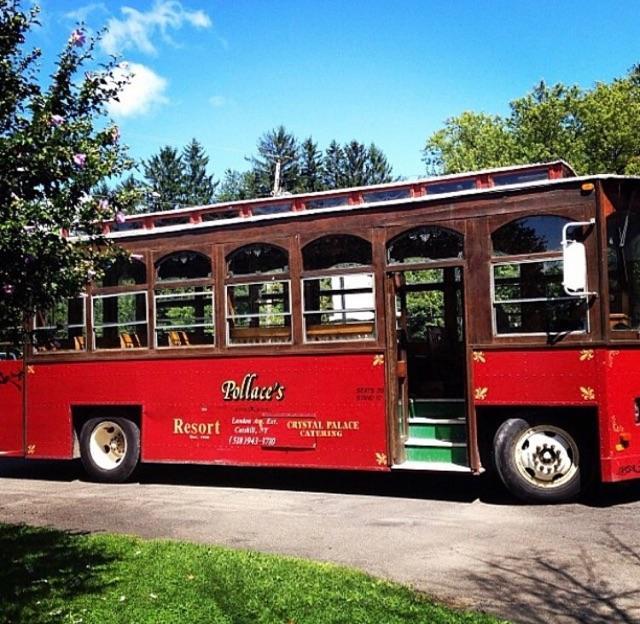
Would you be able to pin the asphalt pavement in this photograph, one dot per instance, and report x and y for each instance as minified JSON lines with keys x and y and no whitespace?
{"x":455,"y":537}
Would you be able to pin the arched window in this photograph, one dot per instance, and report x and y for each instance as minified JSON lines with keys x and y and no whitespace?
{"x":120,"y":318}
{"x":184,"y":314}
{"x":183,"y":265}
{"x":338,"y":287}
{"x":258,"y":295}
{"x":425,"y":244}
{"x":342,"y":251}
{"x":257,"y":259}
{"x":536,"y":234}
{"x":528,"y":296}
{"x":124,"y":272}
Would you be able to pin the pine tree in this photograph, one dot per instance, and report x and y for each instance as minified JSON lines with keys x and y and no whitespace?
{"x":355,"y":162}
{"x":277,"y":145}
{"x":333,"y":166}
{"x":199,"y":187}
{"x":165,"y":179}
{"x":378,"y":169}
{"x":310,"y":168}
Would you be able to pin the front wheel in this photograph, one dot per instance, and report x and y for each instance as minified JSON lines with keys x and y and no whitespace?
{"x":537,"y":462}
{"x":109,"y":448}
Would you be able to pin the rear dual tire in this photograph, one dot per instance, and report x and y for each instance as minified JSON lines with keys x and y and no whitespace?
{"x":539,"y":462}
{"x":109,"y":448}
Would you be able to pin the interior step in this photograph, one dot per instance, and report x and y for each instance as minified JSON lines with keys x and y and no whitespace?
{"x":451,"y":430}
{"x":430,"y":450}
{"x":431,"y":466}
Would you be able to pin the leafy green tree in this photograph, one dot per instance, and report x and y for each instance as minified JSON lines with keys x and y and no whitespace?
{"x":199,"y":187}
{"x":165,"y":179}
{"x":237,"y":185}
{"x":595,"y":130}
{"x":55,"y":147}
{"x":467,"y":142}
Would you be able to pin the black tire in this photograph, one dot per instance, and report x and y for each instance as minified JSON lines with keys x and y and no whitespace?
{"x":549,"y":473}
{"x":109,"y":448}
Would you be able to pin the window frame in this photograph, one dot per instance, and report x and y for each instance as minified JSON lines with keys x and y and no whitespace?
{"x":374,"y":335}
{"x":100,"y":295}
{"x":228,"y":317}
{"x":527,"y":259}
{"x":184,"y":284}
{"x":84,"y":297}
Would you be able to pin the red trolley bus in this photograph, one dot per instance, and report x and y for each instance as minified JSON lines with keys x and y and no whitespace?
{"x":450,"y":324}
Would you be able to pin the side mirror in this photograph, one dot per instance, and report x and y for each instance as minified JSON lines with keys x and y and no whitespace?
{"x":574,"y":257}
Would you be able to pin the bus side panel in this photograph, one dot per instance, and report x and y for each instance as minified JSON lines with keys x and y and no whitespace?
{"x":601,"y":378}
{"x":620,"y":414}
{"x":324,"y":411}
{"x":11,"y":421}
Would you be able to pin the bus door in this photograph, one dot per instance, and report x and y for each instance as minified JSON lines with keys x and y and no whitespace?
{"x":11,"y":403}
{"x":430,"y":365}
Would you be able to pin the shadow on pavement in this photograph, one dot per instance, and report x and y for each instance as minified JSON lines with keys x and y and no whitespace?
{"x":405,"y":484}
{"x":547,"y":587}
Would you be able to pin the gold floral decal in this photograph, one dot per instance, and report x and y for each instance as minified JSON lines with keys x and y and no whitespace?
{"x":586,"y":354}
{"x":31,"y":449}
{"x":588,"y":393}
{"x":381,"y":459}
{"x":378,"y":360}
{"x":481,"y":394}
{"x":478,"y":356}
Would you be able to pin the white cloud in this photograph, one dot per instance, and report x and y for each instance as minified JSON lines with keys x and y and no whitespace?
{"x":217,"y":101}
{"x":81,"y":14}
{"x":145,"y":90}
{"x":138,"y":29}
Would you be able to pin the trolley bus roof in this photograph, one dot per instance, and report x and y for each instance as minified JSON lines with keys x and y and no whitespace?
{"x":239,"y":212}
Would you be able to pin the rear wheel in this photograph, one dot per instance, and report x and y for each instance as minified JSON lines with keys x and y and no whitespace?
{"x":109,"y":448}
{"x":538,"y":462}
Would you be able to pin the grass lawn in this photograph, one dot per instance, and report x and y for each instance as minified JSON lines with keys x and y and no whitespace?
{"x":50,"y":576}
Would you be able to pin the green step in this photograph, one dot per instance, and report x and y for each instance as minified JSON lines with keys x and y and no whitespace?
{"x":436,"y":431}
{"x":442,"y":408}
{"x":450,"y":454}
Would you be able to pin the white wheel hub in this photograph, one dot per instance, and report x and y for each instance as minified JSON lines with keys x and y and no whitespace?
{"x":107,"y":445}
{"x":546,"y":456}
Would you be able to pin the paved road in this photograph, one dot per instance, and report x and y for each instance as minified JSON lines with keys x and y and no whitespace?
{"x":450,"y":536}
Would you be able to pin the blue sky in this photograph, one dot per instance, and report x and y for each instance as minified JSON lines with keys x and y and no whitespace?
{"x":226,"y":71}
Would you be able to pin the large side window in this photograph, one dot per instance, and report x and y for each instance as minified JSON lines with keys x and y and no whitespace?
{"x":119,"y":307}
{"x":61,"y":329}
{"x":623,"y":251}
{"x":258,"y":305}
{"x":338,"y":289}
{"x":528,"y":297}
{"x":183,"y":301}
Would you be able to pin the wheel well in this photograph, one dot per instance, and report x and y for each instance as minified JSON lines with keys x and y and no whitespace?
{"x":80,"y":414}
{"x":582,"y":422}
